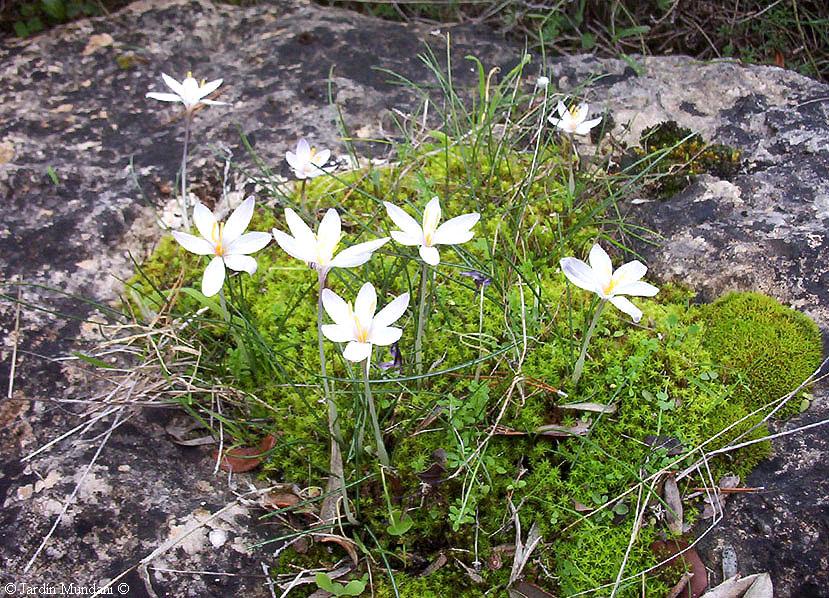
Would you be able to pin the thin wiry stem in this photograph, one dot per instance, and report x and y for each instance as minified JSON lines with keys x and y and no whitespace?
{"x":580,"y":363}
{"x":185,"y":216}
{"x":337,"y":477}
{"x":378,"y":434}
{"x":421,"y":319}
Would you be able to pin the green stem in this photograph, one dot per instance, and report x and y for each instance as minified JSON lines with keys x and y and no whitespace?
{"x":303,"y":194}
{"x":480,"y":334}
{"x":378,"y":434}
{"x":185,"y":215}
{"x":580,"y":363}
{"x":421,"y":320}
{"x":223,"y":304}
{"x":335,"y":466}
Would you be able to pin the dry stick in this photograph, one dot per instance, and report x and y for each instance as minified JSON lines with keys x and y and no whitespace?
{"x":72,"y":496}
{"x":14,"y":347}
{"x":188,"y":120}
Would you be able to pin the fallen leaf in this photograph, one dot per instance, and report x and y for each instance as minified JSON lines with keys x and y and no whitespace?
{"x":779,"y":59}
{"x":349,"y":546}
{"x":496,"y":557}
{"x":525,"y":589}
{"x":674,"y":501}
{"x":238,"y":460}
{"x":595,"y":407}
{"x":715,"y":500}
{"x":439,"y":562}
{"x":470,"y":572}
{"x":737,"y":587}
{"x":556,"y":431}
{"x":97,"y":41}
{"x":680,"y":586}
{"x":672,"y":445}
{"x":669,"y":551}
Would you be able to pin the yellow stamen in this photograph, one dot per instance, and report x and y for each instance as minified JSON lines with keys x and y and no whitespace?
{"x":189,"y":74}
{"x":216,"y":236}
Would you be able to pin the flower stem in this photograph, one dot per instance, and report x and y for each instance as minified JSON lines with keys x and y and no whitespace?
{"x":303,"y":194}
{"x":480,"y":334}
{"x":580,"y":363}
{"x":378,"y":434}
{"x":336,"y":479}
{"x":421,"y":320}
{"x":223,"y":304}
{"x":185,"y":215}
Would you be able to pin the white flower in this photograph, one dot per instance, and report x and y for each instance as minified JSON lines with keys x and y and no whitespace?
{"x":572,"y":120}
{"x":359,"y":326}
{"x":224,"y":241}
{"x":317,"y":250}
{"x":542,"y":82}
{"x":600,"y":278}
{"x":452,"y":232}
{"x":307,"y":162}
{"x":189,"y":92}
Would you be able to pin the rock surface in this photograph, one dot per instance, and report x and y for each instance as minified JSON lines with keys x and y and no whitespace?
{"x":80,"y":110}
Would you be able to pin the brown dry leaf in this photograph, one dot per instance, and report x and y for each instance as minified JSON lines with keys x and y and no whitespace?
{"x":470,"y":572}
{"x":97,"y":41}
{"x":582,"y":508}
{"x":282,"y":498}
{"x":715,"y":502}
{"x":349,"y":546}
{"x":439,"y":562}
{"x":496,"y":557}
{"x":238,"y":460}
{"x":752,"y":586}
{"x":680,"y":586}
{"x":670,"y":549}
{"x":673,"y":499}
{"x":525,"y":589}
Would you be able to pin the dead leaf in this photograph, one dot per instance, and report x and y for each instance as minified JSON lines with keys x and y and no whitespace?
{"x":595,"y":407}
{"x":473,"y":575}
{"x":672,"y":445}
{"x":670,"y":550}
{"x":556,"y":431}
{"x":97,"y":41}
{"x":496,"y":557}
{"x":673,"y":499}
{"x":715,"y":500}
{"x":182,"y":433}
{"x":680,"y":586}
{"x":284,"y":497}
{"x":582,"y":508}
{"x":349,"y":546}
{"x":238,"y":460}
{"x":525,"y":589}
{"x":779,"y":59}
{"x":435,"y":565}
{"x":752,"y":586}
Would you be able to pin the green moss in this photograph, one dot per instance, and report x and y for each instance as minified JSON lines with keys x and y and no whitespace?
{"x":765,"y":348}
{"x":676,"y":154}
{"x":685,"y":374}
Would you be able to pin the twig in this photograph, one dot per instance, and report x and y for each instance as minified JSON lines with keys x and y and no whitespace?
{"x":16,"y":335}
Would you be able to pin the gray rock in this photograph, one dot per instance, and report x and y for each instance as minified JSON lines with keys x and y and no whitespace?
{"x":85,"y":117}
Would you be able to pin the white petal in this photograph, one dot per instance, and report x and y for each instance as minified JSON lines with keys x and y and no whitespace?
{"x":205,"y":222}
{"x":630,"y":272}
{"x":338,"y":333}
{"x":329,"y":230}
{"x":580,"y":274}
{"x":214,"y":277}
{"x":365,"y":304}
{"x":238,"y":221}
{"x":303,"y":150}
{"x":249,"y":243}
{"x":584,"y":128}
{"x":357,"y":255}
{"x":430,"y":255}
{"x":626,"y":306}
{"x":213,"y":102}
{"x":404,"y":222}
{"x":337,"y":309}
{"x":193,"y":244}
{"x":304,"y":236}
{"x":164,"y":97}
{"x":321,"y":157}
{"x":562,"y":109}
{"x":406,"y":238}
{"x":177,"y":87}
{"x":385,"y":336}
{"x":241,"y":263}
{"x":392,"y":312}
{"x":291,"y":159}
{"x":456,"y":230}
{"x":355,"y":351}
{"x":554,"y":121}
{"x":636,"y":289}
{"x":210,"y":87}
{"x":581,"y":112}
{"x":290,"y":246}
{"x":431,"y":216}
{"x":601,"y":265}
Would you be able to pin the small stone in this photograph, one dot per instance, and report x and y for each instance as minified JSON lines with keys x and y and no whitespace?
{"x":217,"y":537}
{"x":729,"y":561}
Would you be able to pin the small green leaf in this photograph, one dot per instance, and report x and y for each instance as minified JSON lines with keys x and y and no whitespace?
{"x":325,"y":583}
{"x":20,"y":29}
{"x":355,"y":587}
{"x":53,"y":176}
{"x":588,"y":41}
{"x":400,"y":526}
{"x":92,"y":360}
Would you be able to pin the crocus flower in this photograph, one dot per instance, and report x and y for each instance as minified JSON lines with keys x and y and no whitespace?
{"x":600,"y":278}
{"x":189,"y":92}
{"x":542,"y":82}
{"x":306,"y":161}
{"x":573,"y":120}
{"x":359,"y":326}
{"x":479,"y":278}
{"x":225,"y":241}
{"x":317,"y":250}
{"x":452,"y":232}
